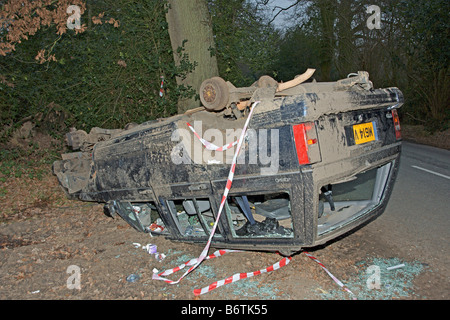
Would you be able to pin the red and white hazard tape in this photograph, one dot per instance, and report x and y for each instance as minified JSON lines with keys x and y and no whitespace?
{"x":285,"y":261}
{"x":239,"y":276}
{"x":211,"y":146}
{"x":161,"y":90}
{"x":331,"y":275}
{"x":196,"y":262}
{"x":161,"y":275}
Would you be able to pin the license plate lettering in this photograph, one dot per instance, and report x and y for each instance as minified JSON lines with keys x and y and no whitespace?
{"x":364,"y":132}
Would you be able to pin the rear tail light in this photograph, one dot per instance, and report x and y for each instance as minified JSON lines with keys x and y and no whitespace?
{"x":397,"y":127}
{"x":306,"y":143}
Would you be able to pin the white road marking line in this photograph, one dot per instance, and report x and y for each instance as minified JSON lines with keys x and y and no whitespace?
{"x":432,"y":172}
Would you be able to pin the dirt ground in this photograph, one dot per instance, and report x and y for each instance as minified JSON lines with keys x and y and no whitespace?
{"x":47,"y":234}
{"x":418,"y":134}
{"x":43,"y":235}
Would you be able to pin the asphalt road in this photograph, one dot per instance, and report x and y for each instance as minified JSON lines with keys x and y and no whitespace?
{"x":417,"y":218}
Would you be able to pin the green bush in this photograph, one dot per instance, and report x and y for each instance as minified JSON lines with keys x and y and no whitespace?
{"x":105,"y":76}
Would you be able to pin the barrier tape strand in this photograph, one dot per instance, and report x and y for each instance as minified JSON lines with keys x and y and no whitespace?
{"x":343,"y":286}
{"x":239,"y":276}
{"x":196,"y":262}
{"x":211,"y":146}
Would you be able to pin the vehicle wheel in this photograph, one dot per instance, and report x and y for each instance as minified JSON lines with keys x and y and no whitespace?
{"x":214,"y":94}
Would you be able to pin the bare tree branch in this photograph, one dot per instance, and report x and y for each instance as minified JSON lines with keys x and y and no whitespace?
{"x":281,"y":9}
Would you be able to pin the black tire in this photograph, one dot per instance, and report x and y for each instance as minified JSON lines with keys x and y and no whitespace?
{"x":214,"y":94}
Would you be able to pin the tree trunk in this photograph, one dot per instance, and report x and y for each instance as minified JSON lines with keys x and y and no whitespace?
{"x":190,"y":20}
{"x":327,"y":10}
{"x":347,"y":61}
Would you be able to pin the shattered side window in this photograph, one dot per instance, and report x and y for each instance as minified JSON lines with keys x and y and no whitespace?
{"x":260,"y":216}
{"x":193,"y":217}
{"x":143,"y":217}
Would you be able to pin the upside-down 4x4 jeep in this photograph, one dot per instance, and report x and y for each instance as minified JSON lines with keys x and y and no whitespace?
{"x":319,"y":159}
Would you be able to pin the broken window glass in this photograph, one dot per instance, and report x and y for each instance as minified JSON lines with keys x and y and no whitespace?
{"x":193,"y":217}
{"x":342,"y":202}
{"x":142,"y":216}
{"x":263,"y":215}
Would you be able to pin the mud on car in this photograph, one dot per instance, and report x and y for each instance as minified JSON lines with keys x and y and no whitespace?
{"x":318,"y":160}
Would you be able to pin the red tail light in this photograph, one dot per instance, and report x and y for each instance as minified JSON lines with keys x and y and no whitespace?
{"x":306,"y":143}
{"x":395,"y":117}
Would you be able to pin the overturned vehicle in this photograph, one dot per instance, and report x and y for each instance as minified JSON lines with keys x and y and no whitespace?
{"x":318,"y":160}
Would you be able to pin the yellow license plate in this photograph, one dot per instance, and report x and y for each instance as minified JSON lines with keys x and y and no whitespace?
{"x":365,"y":132}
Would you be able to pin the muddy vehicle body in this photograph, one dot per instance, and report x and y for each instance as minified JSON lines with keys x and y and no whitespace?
{"x":318,"y":160}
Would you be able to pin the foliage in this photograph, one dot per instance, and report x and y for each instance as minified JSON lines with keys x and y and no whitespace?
{"x":21,"y":19}
{"x":108,"y":75}
{"x":246,"y":44}
{"x":20,"y":162}
{"x":411,"y":50}
{"x":299,"y":51}
{"x":427,"y":25}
